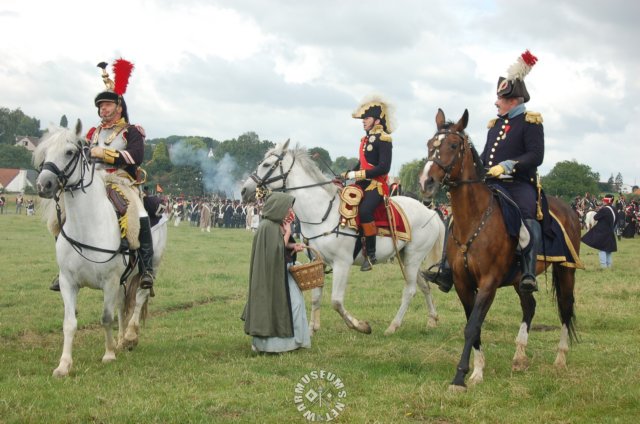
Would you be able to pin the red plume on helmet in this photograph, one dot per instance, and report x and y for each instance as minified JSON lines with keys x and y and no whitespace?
{"x":122,"y":71}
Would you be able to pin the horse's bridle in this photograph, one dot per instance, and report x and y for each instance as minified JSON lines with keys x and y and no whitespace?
{"x":434,"y":156}
{"x":261,"y":183}
{"x":80,"y":155}
{"x":262,"y":190}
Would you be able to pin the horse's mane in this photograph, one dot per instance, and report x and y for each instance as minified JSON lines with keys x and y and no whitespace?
{"x":479,"y":166}
{"x":302,"y":157}
{"x":54,"y":137}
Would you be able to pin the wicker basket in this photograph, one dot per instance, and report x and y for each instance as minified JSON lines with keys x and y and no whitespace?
{"x":311,"y":275}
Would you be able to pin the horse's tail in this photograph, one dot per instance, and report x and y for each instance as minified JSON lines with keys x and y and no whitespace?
{"x":564,"y":298}
{"x":130,"y":300}
{"x":435,"y":254}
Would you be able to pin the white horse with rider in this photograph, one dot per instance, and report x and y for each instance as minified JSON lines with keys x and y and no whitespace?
{"x":89,"y":250}
{"x":317,"y":208}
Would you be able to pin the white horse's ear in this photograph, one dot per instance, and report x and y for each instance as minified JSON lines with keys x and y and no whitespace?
{"x":79,"y":128}
{"x":285,"y":146}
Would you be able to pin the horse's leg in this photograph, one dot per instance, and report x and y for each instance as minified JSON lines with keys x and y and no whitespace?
{"x":133,"y":327}
{"x":339,"y":286}
{"x":520,"y":360}
{"x":316,"y":298}
{"x":110,"y":291}
{"x":411,"y":271}
{"x":70,"y":324}
{"x":563,"y":282}
{"x":481,"y":304}
{"x":121,"y":317}
{"x":432,"y":320}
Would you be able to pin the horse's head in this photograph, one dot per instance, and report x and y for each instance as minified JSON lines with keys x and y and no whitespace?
{"x":271,"y":173}
{"x":61,"y":158}
{"x":446,"y":151}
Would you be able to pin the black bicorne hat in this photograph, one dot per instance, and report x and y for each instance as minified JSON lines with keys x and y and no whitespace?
{"x":375,"y":107}
{"x":513,"y":85}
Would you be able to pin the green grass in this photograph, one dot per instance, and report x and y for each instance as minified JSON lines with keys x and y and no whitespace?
{"x":194,"y":363}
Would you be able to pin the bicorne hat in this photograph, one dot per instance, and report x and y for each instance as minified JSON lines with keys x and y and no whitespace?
{"x":375,"y":107}
{"x":115,"y":89}
{"x":608,"y":199}
{"x":513,"y":85}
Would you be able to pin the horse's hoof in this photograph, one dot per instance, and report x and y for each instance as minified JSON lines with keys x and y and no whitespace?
{"x":62,"y":370}
{"x":432,"y":322}
{"x":108,"y":357}
{"x":364,"y":327}
{"x":560,"y":362}
{"x":454,"y":388}
{"x":520,"y":364}
{"x":475,"y":379}
{"x":391,"y":330}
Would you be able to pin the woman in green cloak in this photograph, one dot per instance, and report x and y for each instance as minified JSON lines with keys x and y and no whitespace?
{"x":275,"y":313}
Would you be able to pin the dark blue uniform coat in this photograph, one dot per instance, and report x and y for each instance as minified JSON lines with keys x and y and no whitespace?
{"x":602,"y":235}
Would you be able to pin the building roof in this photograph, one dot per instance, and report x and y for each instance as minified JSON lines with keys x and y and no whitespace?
{"x":7,"y":175}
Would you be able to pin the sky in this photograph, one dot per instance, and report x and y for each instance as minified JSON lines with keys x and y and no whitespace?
{"x":295,"y":69}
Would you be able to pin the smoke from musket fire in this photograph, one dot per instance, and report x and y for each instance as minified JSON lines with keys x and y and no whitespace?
{"x":217,"y":175}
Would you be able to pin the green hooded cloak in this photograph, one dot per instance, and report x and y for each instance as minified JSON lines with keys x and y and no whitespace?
{"x":268,"y":309}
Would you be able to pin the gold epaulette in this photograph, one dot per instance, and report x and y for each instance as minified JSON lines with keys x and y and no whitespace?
{"x":492,"y":123}
{"x":533,"y":117}
{"x":381,"y":133}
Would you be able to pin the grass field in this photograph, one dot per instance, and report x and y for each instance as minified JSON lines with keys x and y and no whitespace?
{"x":194,"y":363}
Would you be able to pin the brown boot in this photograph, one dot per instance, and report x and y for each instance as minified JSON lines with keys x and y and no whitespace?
{"x":370,"y":232}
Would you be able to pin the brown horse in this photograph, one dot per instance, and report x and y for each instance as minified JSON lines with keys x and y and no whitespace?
{"x":482,"y":253}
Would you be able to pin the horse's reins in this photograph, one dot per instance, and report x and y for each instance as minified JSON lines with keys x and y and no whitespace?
{"x":446,"y":181}
{"x":262,"y":189}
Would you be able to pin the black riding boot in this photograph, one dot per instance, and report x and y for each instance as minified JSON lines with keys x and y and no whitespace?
{"x":370,"y":259}
{"x":528,"y":282}
{"x":443,"y":277}
{"x":145,"y":254}
{"x":370,"y":233}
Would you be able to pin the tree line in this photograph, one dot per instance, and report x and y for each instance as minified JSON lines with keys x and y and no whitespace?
{"x":181,"y":164}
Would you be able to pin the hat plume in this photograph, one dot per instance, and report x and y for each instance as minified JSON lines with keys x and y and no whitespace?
{"x":122,"y":71}
{"x":522,"y":66}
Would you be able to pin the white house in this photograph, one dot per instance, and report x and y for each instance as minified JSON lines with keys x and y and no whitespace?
{"x":28,"y":142}
{"x":17,"y":180}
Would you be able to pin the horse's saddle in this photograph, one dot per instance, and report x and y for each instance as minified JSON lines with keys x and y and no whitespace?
{"x":557,"y":246}
{"x":350,"y":198}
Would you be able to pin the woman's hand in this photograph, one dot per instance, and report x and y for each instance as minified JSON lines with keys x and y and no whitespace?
{"x":299,"y":247}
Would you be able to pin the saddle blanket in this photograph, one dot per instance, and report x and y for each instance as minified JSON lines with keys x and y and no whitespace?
{"x":350,"y":198}
{"x":556,"y":246}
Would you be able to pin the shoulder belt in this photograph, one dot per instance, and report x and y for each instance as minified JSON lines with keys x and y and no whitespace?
{"x":533,"y":117}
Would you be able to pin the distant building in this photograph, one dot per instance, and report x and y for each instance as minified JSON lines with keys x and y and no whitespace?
{"x":28,"y":142}
{"x":17,"y":180}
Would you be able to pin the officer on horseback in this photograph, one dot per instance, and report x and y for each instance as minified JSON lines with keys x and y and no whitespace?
{"x":515,"y":148}
{"x":371,"y":173}
{"x":512,"y":154}
{"x":119,"y":148}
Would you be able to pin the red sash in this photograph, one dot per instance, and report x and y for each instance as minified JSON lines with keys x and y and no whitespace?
{"x":382,"y":179}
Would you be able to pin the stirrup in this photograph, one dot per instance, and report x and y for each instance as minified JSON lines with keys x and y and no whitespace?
{"x":146,"y":280}
{"x":55,"y":284}
{"x":368,"y":263}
